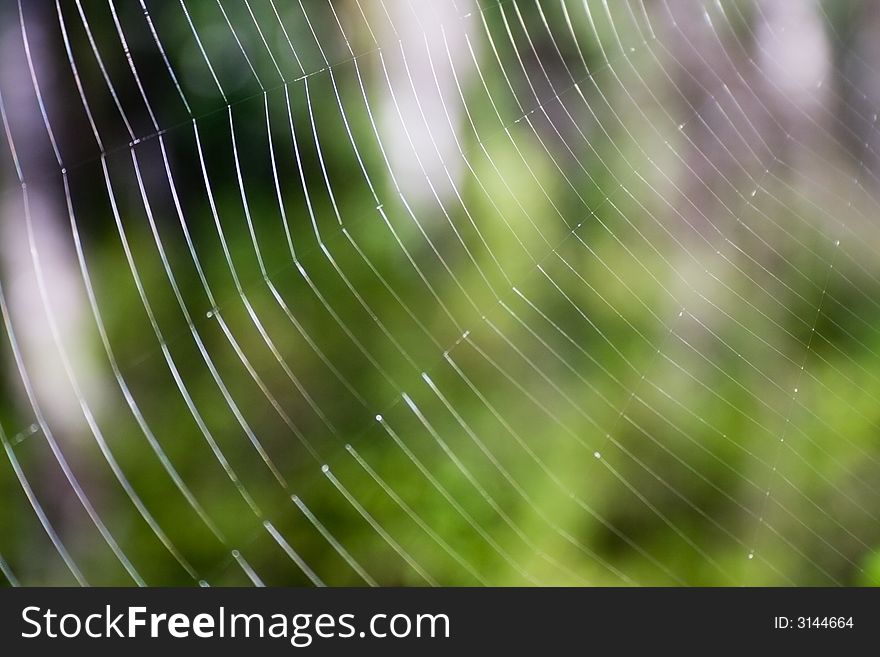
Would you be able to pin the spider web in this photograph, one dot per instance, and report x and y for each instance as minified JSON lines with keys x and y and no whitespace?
{"x":448,"y":293}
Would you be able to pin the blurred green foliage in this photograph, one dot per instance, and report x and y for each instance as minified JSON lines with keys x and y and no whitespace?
{"x":584,"y":318}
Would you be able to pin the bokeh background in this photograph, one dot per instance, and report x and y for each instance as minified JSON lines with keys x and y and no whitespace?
{"x":455,"y":292}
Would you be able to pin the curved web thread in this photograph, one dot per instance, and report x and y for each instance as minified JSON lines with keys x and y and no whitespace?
{"x":430,"y":475}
